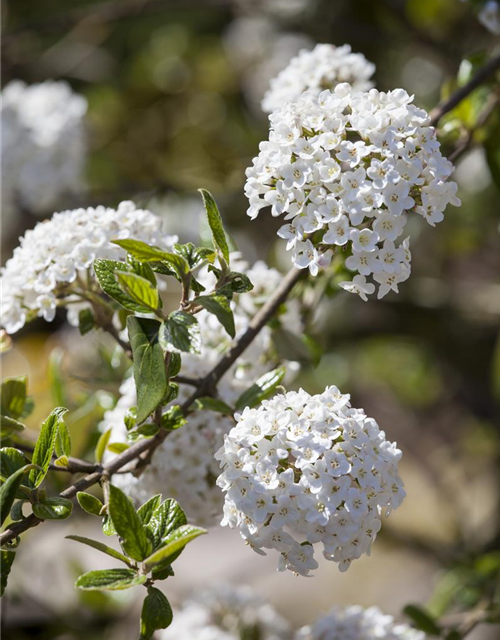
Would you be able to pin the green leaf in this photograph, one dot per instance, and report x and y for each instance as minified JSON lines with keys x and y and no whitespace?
{"x":110,"y":580}
{"x":10,"y":426}
{"x":128,"y":525}
{"x":262,"y":389}
{"x":86,"y":321}
{"x":63,"y":440}
{"x":146,"y":430}
{"x":149,"y":366}
{"x":166,"y":518}
{"x":172,"y":393}
{"x":139,"y":289}
{"x":11,"y":460}
{"x":173,"y":543}
{"x":6,"y":560}
{"x":234,"y":282}
{"x":130,"y":418}
{"x":216,"y":226}
{"x":174,"y":365}
{"x":105,"y":271}
{"x":8,"y":491}
{"x":16,"y":513}
{"x":107,"y":526}
{"x":220,"y":307}
{"x":142,"y":269}
{"x":118,"y":447}
{"x":61,"y":461}
{"x":194,"y":255}
{"x":89,"y":503}
{"x":146,"y":253}
{"x":45,"y":445}
{"x":196,"y":286}
{"x":181,"y":332}
{"x":146,"y":511}
{"x":213,"y":404}
{"x":162,"y":571}
{"x":422,"y":620}
{"x":13,"y":396}
{"x":101,"y":445}
{"x":156,"y":613}
{"x":101,"y":547}
{"x":53,"y":508}
{"x":173,"y":418}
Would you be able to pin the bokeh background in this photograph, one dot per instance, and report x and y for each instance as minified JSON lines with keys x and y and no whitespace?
{"x":173,"y":88}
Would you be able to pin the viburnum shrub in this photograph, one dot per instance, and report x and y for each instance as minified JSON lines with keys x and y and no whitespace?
{"x":204,"y":431}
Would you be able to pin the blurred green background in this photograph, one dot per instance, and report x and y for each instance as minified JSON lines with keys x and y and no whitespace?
{"x":173,"y":88}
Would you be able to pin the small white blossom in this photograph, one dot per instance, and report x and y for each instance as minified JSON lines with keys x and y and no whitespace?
{"x":331,"y":476}
{"x":356,"y":623}
{"x":322,"y":68}
{"x":53,"y":263}
{"x":346,"y":169}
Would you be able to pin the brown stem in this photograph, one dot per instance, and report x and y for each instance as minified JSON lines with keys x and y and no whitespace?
{"x":491,"y":67}
{"x":482,"y":119}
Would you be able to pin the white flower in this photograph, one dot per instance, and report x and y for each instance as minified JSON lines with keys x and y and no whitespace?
{"x":43,"y":145}
{"x":330,"y":477}
{"x":226,"y":612}
{"x":346,"y":169}
{"x":53,"y":259}
{"x":356,"y":623}
{"x":322,"y":68}
{"x":360,"y":286}
{"x":184,"y":466}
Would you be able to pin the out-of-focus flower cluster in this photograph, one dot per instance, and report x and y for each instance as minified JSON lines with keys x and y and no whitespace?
{"x":53,"y":262}
{"x":300,"y":470}
{"x":43,"y":145}
{"x":184,"y":466}
{"x":258,"y":50}
{"x":356,"y":623}
{"x":226,"y":612}
{"x":344,"y":169}
{"x":324,"y":67}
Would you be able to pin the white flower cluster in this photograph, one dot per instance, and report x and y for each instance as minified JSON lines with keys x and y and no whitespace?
{"x":52,"y":262}
{"x":184,"y":466}
{"x":344,"y":169}
{"x":226,"y":612}
{"x":302,"y":469}
{"x":357,"y":623}
{"x":43,"y":145}
{"x":324,"y":67}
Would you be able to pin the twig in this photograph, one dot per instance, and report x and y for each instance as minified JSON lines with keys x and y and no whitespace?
{"x":206,"y":385}
{"x":456,"y":98}
{"x":481,"y":121}
{"x":192,"y":382}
